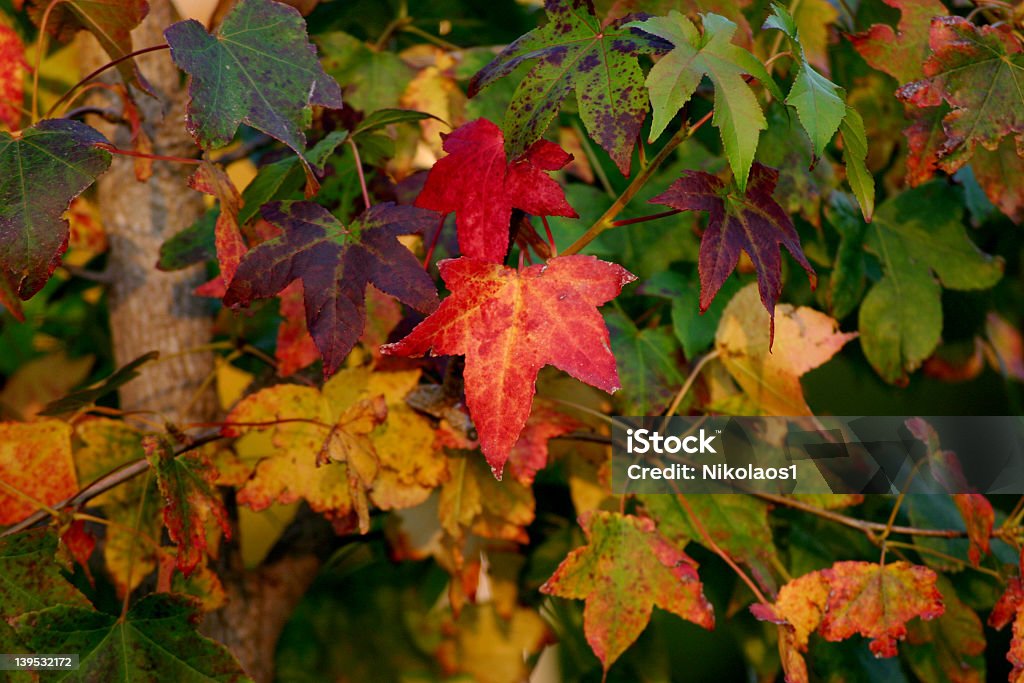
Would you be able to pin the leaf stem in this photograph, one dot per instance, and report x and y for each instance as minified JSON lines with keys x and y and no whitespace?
{"x":551,"y":239}
{"x":606,"y":221}
{"x":359,"y":172}
{"x":595,"y":163}
{"x":40,"y":48}
{"x":433,"y":242}
{"x":644,"y":219}
{"x":440,"y":42}
{"x":94,"y":74}
{"x":685,"y":389}
{"x":143,"y":155}
{"x":131,"y":548}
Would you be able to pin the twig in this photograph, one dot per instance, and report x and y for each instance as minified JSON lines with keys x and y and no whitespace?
{"x":359,"y":172}
{"x":685,"y":389}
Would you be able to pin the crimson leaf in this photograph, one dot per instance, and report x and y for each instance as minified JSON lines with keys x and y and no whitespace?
{"x":752,"y":222}
{"x":481,"y":187}
{"x":335,"y":265}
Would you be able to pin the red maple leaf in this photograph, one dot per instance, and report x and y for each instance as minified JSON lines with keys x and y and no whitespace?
{"x":481,"y":186}
{"x":752,"y":222}
{"x":509,"y":324}
{"x":335,"y":265}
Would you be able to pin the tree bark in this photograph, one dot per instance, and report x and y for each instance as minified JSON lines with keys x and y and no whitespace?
{"x":154,"y":310}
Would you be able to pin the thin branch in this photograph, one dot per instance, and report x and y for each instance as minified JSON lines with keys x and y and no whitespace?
{"x":685,"y":389}
{"x":102,"y":485}
{"x":143,"y":155}
{"x":606,"y":221}
{"x":97,"y":72}
{"x":359,"y":172}
{"x":645,"y":219}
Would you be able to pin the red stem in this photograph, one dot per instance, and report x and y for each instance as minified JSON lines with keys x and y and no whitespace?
{"x":143,"y":155}
{"x":551,"y":239}
{"x":433,"y":242}
{"x":359,"y":172}
{"x":644,"y":219}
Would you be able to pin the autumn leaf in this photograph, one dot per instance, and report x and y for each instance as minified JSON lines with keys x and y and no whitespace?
{"x":769,"y":375}
{"x":900,"y":53}
{"x":12,"y":76}
{"x":41,"y":171}
{"x":88,"y":396}
{"x":798,"y":611}
{"x":876,"y":601}
{"x":211,"y":179}
{"x":335,"y":265}
{"x":295,"y":349}
{"x":509,"y":324}
{"x":36,"y":467}
{"x":530,"y":453}
{"x":259,"y":69}
{"x":191,"y":500}
{"x":472,"y":501}
{"x":109,"y":21}
{"x":951,"y":648}
{"x":963,"y":57}
{"x":157,"y":635}
{"x":392,"y":463}
{"x":576,"y":51}
{"x":477,"y":182}
{"x":491,"y":649}
{"x":675,"y":77}
{"x":996,"y":172}
{"x":29,"y":578}
{"x":751,"y":221}
{"x":626,"y":569}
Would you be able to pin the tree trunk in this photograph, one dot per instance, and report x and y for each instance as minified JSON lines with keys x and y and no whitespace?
{"x":154,"y":310}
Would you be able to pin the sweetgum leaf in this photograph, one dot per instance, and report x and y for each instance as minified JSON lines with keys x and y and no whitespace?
{"x":191,"y":499}
{"x":156,"y":641}
{"x":482,"y":187}
{"x":30,"y":579}
{"x":575,"y":51}
{"x":673,"y":80}
{"x":530,"y":453}
{"x":950,"y":649}
{"x":110,"y":21}
{"x":648,"y":363}
{"x":877,"y":601}
{"x":750,"y":221}
{"x":89,"y":396}
{"x":335,"y":265}
{"x":509,"y":324}
{"x":259,"y":69}
{"x":900,"y":54}
{"x":35,"y":460}
{"x":916,"y":236}
{"x":41,"y":171}
{"x":626,"y":569}
{"x":798,"y":611}
{"x":977,"y":72}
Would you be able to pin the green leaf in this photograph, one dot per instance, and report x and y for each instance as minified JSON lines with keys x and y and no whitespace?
{"x":195,"y":244}
{"x":737,"y":523}
{"x":575,"y":51}
{"x":386,"y":117}
{"x":944,"y":648}
{"x":694,"y":330}
{"x":673,"y":80}
{"x":373,"y":79}
{"x":87,"y":397}
{"x":260,"y":69}
{"x":30,"y":579}
{"x":156,"y":641}
{"x":917,"y":236}
{"x":855,"y":154}
{"x":846,"y":285}
{"x":648,"y":363}
{"x":41,"y":171}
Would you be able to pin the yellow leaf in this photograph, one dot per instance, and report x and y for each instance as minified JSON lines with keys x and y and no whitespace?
{"x":804,"y":339}
{"x":42,"y":380}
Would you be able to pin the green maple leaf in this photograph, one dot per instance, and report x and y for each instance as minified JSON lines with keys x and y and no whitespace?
{"x":30,"y":579}
{"x":575,"y":51}
{"x":674,"y":79}
{"x":41,"y":170}
{"x":260,"y":69}
{"x":155,"y":641}
{"x":821,"y":107}
{"x":919,"y":239}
